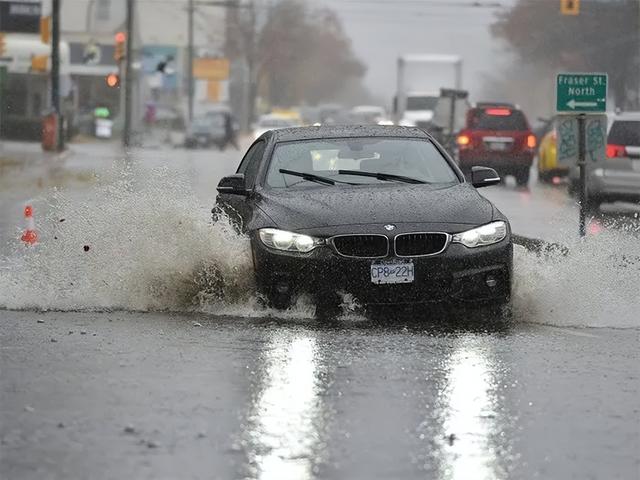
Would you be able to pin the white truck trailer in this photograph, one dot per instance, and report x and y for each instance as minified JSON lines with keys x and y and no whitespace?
{"x":420,"y":78}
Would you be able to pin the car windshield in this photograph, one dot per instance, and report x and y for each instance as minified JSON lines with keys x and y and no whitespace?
{"x":214,"y":119}
{"x":413,"y":158}
{"x":202,"y":123}
{"x":625,"y":132}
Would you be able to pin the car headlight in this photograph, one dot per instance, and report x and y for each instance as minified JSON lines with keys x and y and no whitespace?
{"x":485,"y":235}
{"x":288,"y":241}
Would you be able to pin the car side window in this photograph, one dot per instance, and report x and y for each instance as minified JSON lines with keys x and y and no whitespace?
{"x":251,"y":163}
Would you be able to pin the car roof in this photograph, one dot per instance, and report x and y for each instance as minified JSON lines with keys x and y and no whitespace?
{"x":481,"y":105}
{"x":342,"y":131}
{"x":634,"y":116}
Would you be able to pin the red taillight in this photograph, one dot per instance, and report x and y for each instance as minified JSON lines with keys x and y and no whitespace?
{"x":531,"y":141}
{"x":500,"y":112}
{"x":614,"y":151}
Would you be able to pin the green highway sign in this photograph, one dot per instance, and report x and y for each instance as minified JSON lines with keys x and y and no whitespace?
{"x":581,"y":92}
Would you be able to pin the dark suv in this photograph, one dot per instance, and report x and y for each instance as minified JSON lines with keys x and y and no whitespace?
{"x":498,"y":136}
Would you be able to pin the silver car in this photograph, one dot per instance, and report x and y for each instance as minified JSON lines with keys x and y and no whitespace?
{"x":617,"y":177}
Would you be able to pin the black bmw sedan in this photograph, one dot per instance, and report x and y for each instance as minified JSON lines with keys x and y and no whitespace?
{"x":381,"y":213}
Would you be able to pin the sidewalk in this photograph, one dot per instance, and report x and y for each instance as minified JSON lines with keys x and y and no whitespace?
{"x":16,"y":154}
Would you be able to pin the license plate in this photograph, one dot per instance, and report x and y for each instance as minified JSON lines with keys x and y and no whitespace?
{"x":399,"y":272}
{"x":498,"y":147}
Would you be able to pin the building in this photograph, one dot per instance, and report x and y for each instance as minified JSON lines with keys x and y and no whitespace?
{"x":160,"y":43}
{"x":26,"y":66}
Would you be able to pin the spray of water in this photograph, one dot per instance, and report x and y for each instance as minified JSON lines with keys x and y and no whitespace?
{"x":139,"y":243}
{"x":142,"y":242}
{"x":595,"y":284}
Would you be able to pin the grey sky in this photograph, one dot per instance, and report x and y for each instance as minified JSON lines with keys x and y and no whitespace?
{"x":382,"y":29}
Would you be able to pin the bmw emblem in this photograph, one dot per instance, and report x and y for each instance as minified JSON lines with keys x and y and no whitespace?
{"x":389,"y":227}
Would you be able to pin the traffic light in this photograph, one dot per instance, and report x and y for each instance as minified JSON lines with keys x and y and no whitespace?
{"x":119,"y":52}
{"x":112,"y":80}
{"x":570,"y":7}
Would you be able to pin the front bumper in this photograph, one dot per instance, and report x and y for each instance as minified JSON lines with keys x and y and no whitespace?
{"x":459,"y":274}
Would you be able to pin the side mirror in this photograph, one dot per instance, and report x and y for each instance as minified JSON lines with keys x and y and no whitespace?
{"x":233,"y":184}
{"x":484,"y":177}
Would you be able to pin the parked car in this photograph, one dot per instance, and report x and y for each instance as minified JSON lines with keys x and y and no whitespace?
{"x":273,"y":121}
{"x":497,"y":135}
{"x":617,"y":177}
{"x":206,"y":131}
{"x":380,"y":212}
{"x":548,"y":166}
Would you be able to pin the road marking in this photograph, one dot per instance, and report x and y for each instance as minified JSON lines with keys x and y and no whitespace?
{"x":574,"y":332}
{"x":573,"y":104}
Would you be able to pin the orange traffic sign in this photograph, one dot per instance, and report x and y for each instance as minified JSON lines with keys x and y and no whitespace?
{"x":211,"y":68}
{"x":570,"y":7}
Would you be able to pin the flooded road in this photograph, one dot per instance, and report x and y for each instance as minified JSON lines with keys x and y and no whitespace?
{"x":222,"y":388}
{"x":125,"y":395}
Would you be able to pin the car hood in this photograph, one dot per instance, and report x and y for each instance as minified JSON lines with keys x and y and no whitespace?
{"x":317,"y":208}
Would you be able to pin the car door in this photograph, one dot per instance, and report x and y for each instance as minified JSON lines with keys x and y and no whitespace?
{"x":239,"y":208}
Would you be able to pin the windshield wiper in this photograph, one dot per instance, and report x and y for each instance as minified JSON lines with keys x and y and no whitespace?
{"x":309,"y":176}
{"x":381,"y":176}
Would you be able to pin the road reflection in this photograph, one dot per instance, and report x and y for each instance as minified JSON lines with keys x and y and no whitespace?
{"x":285,"y":419}
{"x":470,"y":414}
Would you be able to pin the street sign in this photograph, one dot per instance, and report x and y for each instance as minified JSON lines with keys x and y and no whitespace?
{"x":570,"y":7}
{"x":211,"y":68}
{"x":581,"y":92}
{"x":567,"y":139}
{"x":20,"y":16}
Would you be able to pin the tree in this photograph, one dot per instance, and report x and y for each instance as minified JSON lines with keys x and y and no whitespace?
{"x":294,"y":54}
{"x":305,"y":55}
{"x":604,"y":37}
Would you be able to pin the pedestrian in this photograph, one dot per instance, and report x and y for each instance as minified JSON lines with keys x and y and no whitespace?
{"x":230,"y":132}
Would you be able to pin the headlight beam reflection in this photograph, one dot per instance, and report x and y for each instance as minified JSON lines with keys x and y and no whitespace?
{"x":283,"y":422}
{"x":469,"y":418}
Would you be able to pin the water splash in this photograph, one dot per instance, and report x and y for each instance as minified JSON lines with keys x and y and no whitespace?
{"x":135,"y":244}
{"x":595,"y":284}
{"x":142,"y":243}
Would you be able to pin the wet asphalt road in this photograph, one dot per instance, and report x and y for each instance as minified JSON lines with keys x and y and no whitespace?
{"x":143,"y":395}
{"x":153,"y":396}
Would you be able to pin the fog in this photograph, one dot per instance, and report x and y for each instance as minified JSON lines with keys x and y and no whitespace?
{"x":380,"y":31}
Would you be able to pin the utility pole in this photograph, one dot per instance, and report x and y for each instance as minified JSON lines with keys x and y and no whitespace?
{"x":190,"y":61}
{"x":55,"y":72}
{"x":582,"y":165}
{"x":128,"y":77}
